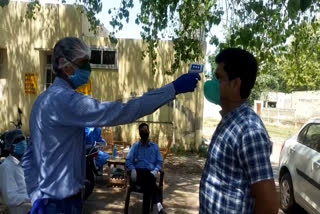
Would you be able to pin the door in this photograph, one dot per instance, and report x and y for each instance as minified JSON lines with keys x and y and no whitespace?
{"x":259,"y":109}
{"x":308,"y":166}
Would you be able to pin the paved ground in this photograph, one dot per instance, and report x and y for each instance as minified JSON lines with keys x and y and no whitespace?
{"x":180,"y":192}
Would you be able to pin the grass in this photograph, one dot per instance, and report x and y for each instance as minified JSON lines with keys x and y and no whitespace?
{"x":275,"y":131}
{"x":280,"y":131}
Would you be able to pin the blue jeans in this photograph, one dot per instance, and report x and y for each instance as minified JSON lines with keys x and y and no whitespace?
{"x":54,"y":206}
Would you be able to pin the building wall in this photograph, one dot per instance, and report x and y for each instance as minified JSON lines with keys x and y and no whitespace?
{"x":297,"y":107}
{"x":27,"y":42}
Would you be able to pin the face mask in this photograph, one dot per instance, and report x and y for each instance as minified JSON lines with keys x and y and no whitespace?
{"x":81,"y":76}
{"x":20,"y":148}
{"x":144,"y":136}
{"x":212,"y":91}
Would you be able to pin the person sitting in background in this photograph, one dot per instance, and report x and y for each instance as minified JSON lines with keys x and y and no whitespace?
{"x":93,"y":134}
{"x":12,"y":184}
{"x":144,"y":161}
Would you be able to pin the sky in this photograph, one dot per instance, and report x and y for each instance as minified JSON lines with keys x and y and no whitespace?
{"x":131,"y":30}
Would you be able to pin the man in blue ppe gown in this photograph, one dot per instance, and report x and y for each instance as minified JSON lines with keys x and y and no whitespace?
{"x":54,"y":163}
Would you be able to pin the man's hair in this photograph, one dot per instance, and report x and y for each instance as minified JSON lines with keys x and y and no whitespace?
{"x":142,"y":125}
{"x":241,"y":64}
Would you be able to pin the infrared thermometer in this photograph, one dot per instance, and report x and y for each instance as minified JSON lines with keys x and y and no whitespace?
{"x":196,"y":68}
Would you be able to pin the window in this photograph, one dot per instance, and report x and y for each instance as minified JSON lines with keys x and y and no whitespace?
{"x":302,"y":134}
{"x":50,"y":76}
{"x":272,"y":104}
{"x":104,"y":58}
{"x":312,"y":138}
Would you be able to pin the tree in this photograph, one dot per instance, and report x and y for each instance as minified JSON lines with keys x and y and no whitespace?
{"x":299,"y":63}
{"x":252,"y":24}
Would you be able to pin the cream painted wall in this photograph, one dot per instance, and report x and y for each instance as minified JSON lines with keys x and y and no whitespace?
{"x":26,"y":43}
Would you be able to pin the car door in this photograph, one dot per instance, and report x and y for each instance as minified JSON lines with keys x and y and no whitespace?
{"x":295,"y":153}
{"x":308,"y":166}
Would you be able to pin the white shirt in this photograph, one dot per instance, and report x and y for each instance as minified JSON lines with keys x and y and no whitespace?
{"x":12,"y":185}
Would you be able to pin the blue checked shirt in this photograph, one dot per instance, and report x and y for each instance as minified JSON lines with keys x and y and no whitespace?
{"x":144,"y":157}
{"x":238,"y":156}
{"x":54,"y":163}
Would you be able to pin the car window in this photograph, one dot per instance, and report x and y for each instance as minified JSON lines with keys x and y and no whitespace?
{"x":302,"y":134}
{"x":312,"y":139}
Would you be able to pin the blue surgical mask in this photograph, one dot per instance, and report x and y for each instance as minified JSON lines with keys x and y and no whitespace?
{"x":20,"y":148}
{"x":81,"y":76}
{"x":211,"y":90}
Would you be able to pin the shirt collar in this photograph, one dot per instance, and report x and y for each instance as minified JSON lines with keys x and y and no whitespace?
{"x":234,"y":112}
{"x":13,"y":160}
{"x":148,"y":144}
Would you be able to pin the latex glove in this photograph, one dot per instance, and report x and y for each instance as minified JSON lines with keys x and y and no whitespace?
{"x":154,"y":173}
{"x":133,"y":175}
{"x":186,"y":83}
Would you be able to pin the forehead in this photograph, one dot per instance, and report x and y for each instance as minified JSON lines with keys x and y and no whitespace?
{"x":82,"y":60}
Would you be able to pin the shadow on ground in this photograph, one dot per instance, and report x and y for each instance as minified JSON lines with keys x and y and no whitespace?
{"x":181,"y":190}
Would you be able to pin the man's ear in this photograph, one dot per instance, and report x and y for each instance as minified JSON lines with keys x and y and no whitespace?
{"x":236,"y":84}
{"x":68,"y":69}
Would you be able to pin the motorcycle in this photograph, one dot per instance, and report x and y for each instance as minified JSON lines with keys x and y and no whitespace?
{"x":95,"y":158}
{"x":91,"y":170}
{"x":18,"y":125}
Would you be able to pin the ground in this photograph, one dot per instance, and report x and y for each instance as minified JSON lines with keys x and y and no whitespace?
{"x":181,"y":189}
{"x":182,"y":178}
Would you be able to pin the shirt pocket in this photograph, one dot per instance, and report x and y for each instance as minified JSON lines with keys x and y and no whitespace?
{"x":234,"y":198}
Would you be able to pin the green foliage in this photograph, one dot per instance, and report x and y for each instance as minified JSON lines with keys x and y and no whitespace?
{"x":284,"y":36}
{"x":203,"y":150}
{"x":261,"y":26}
{"x":33,"y":7}
{"x":4,"y":3}
{"x":299,"y":63}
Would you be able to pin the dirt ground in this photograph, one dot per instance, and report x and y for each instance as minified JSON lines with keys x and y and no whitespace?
{"x":181,"y":184}
{"x":181,"y":190}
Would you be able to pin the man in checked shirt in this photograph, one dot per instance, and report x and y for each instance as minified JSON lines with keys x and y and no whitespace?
{"x":238,"y":176}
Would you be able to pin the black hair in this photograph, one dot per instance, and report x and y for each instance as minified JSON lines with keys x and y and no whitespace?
{"x":142,"y":125}
{"x":241,"y":64}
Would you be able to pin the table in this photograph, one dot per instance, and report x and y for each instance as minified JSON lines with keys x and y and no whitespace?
{"x":117,"y":177}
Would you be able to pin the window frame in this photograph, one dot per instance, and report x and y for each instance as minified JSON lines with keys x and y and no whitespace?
{"x":46,"y":68}
{"x":305,"y":130}
{"x":105,"y":66}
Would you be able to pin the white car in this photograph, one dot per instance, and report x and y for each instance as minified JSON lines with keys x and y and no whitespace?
{"x":299,"y":167}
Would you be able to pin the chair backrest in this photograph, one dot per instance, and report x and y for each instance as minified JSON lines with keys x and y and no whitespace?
{"x":107,"y":134}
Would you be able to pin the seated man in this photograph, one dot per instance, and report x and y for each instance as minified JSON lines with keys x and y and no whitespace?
{"x":144,"y":161}
{"x":12,"y":184}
